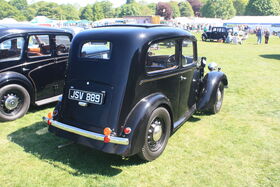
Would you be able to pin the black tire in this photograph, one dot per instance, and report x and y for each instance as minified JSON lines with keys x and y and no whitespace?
{"x":154,"y":146}
{"x":218,"y":100}
{"x":203,"y":38}
{"x":14,"y":102}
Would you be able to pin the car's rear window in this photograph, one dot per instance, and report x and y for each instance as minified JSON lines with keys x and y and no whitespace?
{"x":96,"y":50}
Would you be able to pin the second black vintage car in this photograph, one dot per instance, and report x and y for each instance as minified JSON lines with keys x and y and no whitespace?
{"x":217,"y":33}
{"x":32,"y":66}
{"x":128,"y":88}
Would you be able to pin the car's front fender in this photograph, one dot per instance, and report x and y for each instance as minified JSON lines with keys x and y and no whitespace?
{"x":209,"y":88}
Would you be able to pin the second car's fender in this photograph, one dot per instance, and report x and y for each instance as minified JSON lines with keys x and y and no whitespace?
{"x":209,"y":89}
{"x":16,"y":78}
{"x":139,"y":116}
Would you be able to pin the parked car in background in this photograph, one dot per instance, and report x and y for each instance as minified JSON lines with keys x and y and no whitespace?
{"x":129,"y":87}
{"x":216,"y":33}
{"x":73,"y":30}
{"x":32,"y":66}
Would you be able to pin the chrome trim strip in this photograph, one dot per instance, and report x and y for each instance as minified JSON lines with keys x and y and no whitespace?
{"x":163,"y":76}
{"x":34,"y":62}
{"x":85,"y":133}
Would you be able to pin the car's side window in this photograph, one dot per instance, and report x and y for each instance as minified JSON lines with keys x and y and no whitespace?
{"x":38,"y":46}
{"x":62,"y":44}
{"x":187,"y":52}
{"x":161,"y":56}
{"x":96,"y":50}
{"x":11,"y":49}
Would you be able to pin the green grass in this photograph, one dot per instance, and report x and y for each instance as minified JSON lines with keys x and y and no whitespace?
{"x":240,"y":146}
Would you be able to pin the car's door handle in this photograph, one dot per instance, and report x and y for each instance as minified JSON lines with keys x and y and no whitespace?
{"x":183,"y":78}
{"x":25,"y":69}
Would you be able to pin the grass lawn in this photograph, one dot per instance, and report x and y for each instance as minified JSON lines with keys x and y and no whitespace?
{"x":240,"y":146}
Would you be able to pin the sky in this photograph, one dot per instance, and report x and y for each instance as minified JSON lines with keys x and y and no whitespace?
{"x":116,"y":3}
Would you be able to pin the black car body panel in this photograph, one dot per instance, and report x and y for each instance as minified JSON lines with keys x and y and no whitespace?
{"x":131,"y":94}
{"x":36,"y":70}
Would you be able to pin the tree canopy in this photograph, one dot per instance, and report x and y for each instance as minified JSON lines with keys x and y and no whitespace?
{"x":219,"y":9}
{"x":186,"y":9}
{"x":263,"y":8}
{"x":164,"y":10}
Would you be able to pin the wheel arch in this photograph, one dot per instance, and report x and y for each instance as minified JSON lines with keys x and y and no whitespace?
{"x":7,"y":78}
{"x":209,"y":88}
{"x":138,"y":117}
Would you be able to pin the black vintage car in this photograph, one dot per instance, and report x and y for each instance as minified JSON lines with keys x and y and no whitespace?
{"x":129,"y":87}
{"x":32,"y":66}
{"x":217,"y":33}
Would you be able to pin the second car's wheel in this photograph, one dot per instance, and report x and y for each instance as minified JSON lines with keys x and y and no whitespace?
{"x":157,"y":134}
{"x":14,"y":102}
{"x":219,"y":99}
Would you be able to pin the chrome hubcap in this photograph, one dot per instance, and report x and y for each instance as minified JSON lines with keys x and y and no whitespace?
{"x":11,"y":102}
{"x":157,"y":131}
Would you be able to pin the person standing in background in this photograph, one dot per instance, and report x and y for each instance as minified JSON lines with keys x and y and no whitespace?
{"x":266,"y":36}
{"x":259,"y":35}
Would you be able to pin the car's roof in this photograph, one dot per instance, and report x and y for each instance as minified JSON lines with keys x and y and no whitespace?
{"x":138,"y":32}
{"x":6,"y":29}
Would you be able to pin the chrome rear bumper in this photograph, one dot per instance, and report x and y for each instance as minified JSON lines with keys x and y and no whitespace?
{"x":85,"y":133}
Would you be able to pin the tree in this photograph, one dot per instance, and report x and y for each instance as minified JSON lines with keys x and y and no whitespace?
{"x":263,"y":8}
{"x":152,"y":6}
{"x":240,"y":6}
{"x":196,"y":6}
{"x":164,"y":10}
{"x":107,"y":8}
{"x":51,"y":10}
{"x":8,"y":11}
{"x":87,"y":13}
{"x":175,"y":9}
{"x":69,"y":12}
{"x":131,"y":9}
{"x":29,"y":13}
{"x":218,"y":9}
{"x":19,"y":4}
{"x":97,"y":12}
{"x":186,"y":9}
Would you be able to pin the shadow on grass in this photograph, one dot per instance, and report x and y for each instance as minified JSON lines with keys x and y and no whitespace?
{"x":272,"y":56}
{"x":36,"y":140}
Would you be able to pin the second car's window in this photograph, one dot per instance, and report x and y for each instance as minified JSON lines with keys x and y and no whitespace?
{"x":62,"y":44}
{"x":11,"y":49}
{"x":96,"y":50}
{"x":161,"y":56}
{"x":38,"y":46}
{"x":187,"y":52}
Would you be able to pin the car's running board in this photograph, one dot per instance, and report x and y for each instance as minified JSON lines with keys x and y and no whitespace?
{"x":48,"y":100}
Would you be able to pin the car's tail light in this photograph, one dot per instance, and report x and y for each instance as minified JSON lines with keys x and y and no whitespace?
{"x":107,"y":131}
{"x":107,"y":139}
{"x":127,"y":130}
{"x":50,"y":115}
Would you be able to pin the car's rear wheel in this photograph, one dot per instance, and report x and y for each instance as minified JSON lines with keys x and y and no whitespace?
{"x":218,"y":100}
{"x":14,"y":102}
{"x":157,"y":134}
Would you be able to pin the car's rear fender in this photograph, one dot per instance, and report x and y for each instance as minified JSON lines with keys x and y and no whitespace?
{"x":139,"y":116}
{"x":209,"y":88}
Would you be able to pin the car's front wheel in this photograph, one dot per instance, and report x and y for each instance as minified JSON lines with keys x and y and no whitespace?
{"x":218,"y":100}
{"x":14,"y":102}
{"x":157,"y":134}
{"x":203,"y":38}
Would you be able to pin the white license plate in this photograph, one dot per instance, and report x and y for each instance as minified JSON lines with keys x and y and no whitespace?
{"x":85,"y":96}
